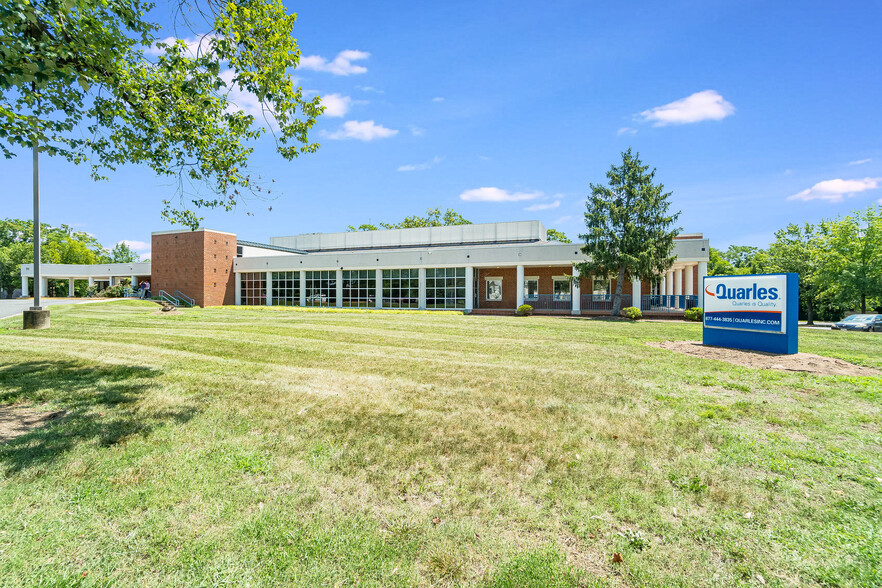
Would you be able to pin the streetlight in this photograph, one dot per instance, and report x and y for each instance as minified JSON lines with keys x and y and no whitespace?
{"x":37,"y":317}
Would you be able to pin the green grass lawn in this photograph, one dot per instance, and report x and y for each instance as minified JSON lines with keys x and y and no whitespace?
{"x":264,"y":447}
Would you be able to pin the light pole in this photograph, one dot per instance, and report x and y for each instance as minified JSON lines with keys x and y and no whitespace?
{"x":37,"y":317}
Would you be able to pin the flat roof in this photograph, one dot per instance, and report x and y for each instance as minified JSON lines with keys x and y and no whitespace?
{"x":472,"y":234}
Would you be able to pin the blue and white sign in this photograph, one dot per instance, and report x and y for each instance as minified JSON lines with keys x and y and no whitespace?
{"x":752,"y":312}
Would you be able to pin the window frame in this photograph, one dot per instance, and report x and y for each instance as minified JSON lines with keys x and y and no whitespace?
{"x":487,"y":281}
{"x":526,"y":295}
{"x":554,"y":294}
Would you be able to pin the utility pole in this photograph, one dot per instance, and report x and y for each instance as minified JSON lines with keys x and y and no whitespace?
{"x":37,"y":317}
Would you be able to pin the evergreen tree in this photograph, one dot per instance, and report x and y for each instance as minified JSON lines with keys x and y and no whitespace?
{"x":630,"y":231}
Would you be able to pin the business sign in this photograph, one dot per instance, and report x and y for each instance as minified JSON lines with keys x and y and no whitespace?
{"x":752,"y":312}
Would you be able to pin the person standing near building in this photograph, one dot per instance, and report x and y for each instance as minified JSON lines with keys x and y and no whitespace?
{"x":146,"y":289}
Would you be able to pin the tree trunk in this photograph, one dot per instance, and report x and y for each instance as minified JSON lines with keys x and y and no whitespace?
{"x":809,"y":313}
{"x":617,"y":299}
{"x":863,"y":304}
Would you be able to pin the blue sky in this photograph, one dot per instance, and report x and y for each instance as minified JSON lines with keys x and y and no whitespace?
{"x":755,"y":114}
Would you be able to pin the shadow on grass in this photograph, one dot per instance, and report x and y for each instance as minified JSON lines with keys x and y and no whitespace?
{"x":100,"y":404}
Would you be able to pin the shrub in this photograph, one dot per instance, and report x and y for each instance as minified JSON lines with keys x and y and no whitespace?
{"x":524,"y":310}
{"x":117,"y":291}
{"x":694,"y":314}
{"x":631,"y":312}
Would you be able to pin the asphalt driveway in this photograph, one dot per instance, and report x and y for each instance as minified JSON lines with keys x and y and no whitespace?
{"x":15,"y":307}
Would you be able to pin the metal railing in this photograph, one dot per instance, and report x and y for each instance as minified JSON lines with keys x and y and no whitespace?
{"x":163,"y":295}
{"x":603,"y":301}
{"x":184,"y":299}
{"x":550,"y":302}
{"x":669,"y":301}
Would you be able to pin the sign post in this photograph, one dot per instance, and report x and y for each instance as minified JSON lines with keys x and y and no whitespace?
{"x":758,"y":312}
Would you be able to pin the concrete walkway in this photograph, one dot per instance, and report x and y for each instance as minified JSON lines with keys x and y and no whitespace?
{"x":9,"y":308}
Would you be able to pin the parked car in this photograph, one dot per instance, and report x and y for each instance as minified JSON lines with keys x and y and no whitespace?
{"x":860,"y":322}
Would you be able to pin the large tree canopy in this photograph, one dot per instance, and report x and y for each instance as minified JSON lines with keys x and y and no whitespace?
{"x":88,"y":81}
{"x":630,"y":230}
{"x":59,"y":245}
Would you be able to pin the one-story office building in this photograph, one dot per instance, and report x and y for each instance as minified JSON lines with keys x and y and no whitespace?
{"x":493,"y":267}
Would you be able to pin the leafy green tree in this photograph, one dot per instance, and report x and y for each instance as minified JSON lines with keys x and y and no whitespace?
{"x":434,"y":218}
{"x":798,"y":249}
{"x":745,"y":259}
{"x":555,"y":235}
{"x":852,"y":267}
{"x":122,"y":253}
{"x":717,"y":265}
{"x":88,"y":82}
{"x":59,"y":245}
{"x":630,"y":230}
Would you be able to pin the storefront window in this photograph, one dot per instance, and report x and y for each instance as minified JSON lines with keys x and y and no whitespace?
{"x":401,"y":288}
{"x":531,"y":288}
{"x":286,"y":288}
{"x":562,"y":288}
{"x":445,"y":287}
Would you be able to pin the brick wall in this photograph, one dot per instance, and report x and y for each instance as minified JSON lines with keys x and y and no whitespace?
{"x":198,"y":263}
{"x":546,"y":285}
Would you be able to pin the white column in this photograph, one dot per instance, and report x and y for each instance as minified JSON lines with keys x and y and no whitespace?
{"x":678,"y":282}
{"x":339,"y":288}
{"x":689,"y":286}
{"x":133,"y":282}
{"x":577,"y":291}
{"x":237,"y":280}
{"x":269,"y":288}
{"x":110,"y":281}
{"x":663,"y":285}
{"x":519,"y":285}
{"x":378,"y":295}
{"x":70,"y":287}
{"x":636,"y":294}
{"x":669,"y":278}
{"x":24,"y":287}
{"x":470,"y":287}
{"x":91,"y":281}
{"x":702,"y":272}
{"x":302,"y":288}
{"x":421,"y":277}
{"x":44,"y":287}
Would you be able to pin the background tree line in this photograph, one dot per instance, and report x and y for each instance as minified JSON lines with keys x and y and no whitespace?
{"x":839,"y":262}
{"x":60,"y":244}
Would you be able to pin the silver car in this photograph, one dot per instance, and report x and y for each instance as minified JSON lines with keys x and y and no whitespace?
{"x":860,"y":322}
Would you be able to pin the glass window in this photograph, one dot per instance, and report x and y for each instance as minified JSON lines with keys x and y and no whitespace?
{"x":321,"y":288}
{"x":286,"y":288}
{"x":359,"y":288}
{"x":531,"y":288}
{"x":600,"y":288}
{"x":253,"y":288}
{"x":445,"y":287}
{"x":494,"y":289}
{"x":401,"y":288}
{"x":561,"y":288}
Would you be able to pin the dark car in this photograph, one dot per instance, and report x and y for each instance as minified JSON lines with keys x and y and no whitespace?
{"x":860,"y":322}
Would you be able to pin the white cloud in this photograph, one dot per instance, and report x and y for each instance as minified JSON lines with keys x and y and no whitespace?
{"x":437,"y":99}
{"x":139,"y":247}
{"x":836,"y":190}
{"x":421,"y":166}
{"x":366,"y":130}
{"x":547,"y":206}
{"x":860,"y":161}
{"x":196,"y":46}
{"x":340,"y":66}
{"x":705,"y":105}
{"x":245,"y":101}
{"x":336,"y":105}
{"x":417,"y":131}
{"x":563,"y":219}
{"x":626,"y":131}
{"x":497,"y":195}
{"x":370,"y":89}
